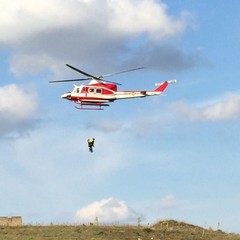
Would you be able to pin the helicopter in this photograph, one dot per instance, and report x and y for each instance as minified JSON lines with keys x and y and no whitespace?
{"x":98,"y":93}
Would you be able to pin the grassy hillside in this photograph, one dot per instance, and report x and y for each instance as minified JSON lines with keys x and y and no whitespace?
{"x":167,"y":230}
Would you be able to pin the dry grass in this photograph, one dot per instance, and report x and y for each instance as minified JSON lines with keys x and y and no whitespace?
{"x":167,"y":230}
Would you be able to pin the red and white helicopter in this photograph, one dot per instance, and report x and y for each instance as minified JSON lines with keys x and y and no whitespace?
{"x":99,"y":92}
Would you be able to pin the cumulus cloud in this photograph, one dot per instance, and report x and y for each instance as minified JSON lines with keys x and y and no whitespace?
{"x":225,"y":109}
{"x":45,"y":34}
{"x":25,"y":19}
{"x":108,"y":210}
{"x":136,"y":17}
{"x":17,"y":108}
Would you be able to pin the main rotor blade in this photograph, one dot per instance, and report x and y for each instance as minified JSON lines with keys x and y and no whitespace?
{"x":130,"y":70}
{"x":103,"y":80}
{"x":84,"y":73}
{"x":91,"y":76}
{"x":100,"y":78}
{"x":81,"y":79}
{"x":70,"y":80}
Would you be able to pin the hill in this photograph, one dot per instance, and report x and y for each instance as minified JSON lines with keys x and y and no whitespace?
{"x":163,"y":230}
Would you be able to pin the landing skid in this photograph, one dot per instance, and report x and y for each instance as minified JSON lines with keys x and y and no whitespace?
{"x":89,"y":106}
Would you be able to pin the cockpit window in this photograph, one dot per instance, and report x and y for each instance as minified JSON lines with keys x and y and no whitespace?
{"x":77,"y":90}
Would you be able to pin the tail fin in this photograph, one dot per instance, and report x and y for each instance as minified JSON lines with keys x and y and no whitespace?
{"x":163,"y":85}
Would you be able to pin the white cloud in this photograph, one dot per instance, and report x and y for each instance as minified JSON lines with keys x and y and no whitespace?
{"x":136,"y":17}
{"x":225,"y":109}
{"x":17,"y":108}
{"x":45,"y":34}
{"x":107,"y":211}
{"x":23,"y":19}
{"x":119,"y":17}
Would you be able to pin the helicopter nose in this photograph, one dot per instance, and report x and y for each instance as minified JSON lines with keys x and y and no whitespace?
{"x":66,"y":96}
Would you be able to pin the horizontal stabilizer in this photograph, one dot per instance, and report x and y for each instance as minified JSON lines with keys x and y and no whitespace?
{"x":162,"y":86}
{"x":169,"y":81}
{"x":172,"y":81}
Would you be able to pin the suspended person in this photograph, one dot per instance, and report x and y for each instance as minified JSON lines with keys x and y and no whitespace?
{"x":91,"y":144}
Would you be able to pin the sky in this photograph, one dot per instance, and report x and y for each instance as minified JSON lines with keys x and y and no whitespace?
{"x":174,"y":156}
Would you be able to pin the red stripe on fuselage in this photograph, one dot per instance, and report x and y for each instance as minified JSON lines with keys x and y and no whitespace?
{"x":91,"y":99}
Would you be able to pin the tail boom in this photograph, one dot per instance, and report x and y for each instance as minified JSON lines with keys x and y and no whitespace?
{"x":138,"y":94}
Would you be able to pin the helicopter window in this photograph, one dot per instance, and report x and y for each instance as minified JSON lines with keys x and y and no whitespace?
{"x":76,"y":90}
{"x":98,"y":90}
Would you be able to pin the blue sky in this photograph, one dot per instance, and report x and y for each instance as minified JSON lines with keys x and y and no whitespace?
{"x":174,"y":156}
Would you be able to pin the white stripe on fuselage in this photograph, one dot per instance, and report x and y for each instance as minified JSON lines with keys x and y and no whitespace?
{"x":135,"y":94}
